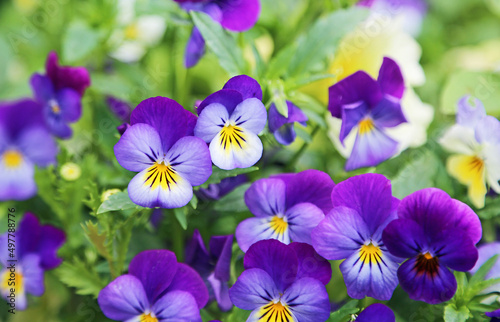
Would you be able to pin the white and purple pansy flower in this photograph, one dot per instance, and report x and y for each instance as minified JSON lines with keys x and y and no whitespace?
{"x":156,"y":289}
{"x":160,"y":145}
{"x":283,"y":127}
{"x":362,"y":207}
{"x":436,"y":233}
{"x":368,"y":107}
{"x":230,"y":121}
{"x":283,"y":283}
{"x":60,"y":92}
{"x":233,"y":15}
{"x":25,"y":142}
{"x":35,"y":252}
{"x":286,"y":207}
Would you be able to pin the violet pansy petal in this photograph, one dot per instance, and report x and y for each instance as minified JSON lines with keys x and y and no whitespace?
{"x":18,"y":183}
{"x":252,"y":230}
{"x":138,"y":148}
{"x":467,"y":220}
{"x":266,"y":197}
{"x":195,"y":48}
{"x":302,"y":219}
{"x":370,"y":149}
{"x":239,"y":15}
{"x":404,"y":238}
{"x":341,"y":233}
{"x":286,"y":134}
{"x":176,"y":306}
{"x":470,"y":114}
{"x":51,"y":239}
{"x":311,"y":264}
{"x":33,"y":274}
{"x":28,"y":235}
{"x":190,"y":158}
{"x":197,"y":256}
{"x":58,"y":127}
{"x":121,"y":109}
{"x":376,"y":312}
{"x":70,"y":103}
{"x":43,"y":89}
{"x":77,"y":78}
{"x":251,"y":115}
{"x":168,"y":117}
{"x":123,"y":299}
{"x":211,"y":120}
{"x":253,"y":288}
{"x":13,"y":125}
{"x":188,"y":280}
{"x":221,"y":247}
{"x":459,"y":254}
{"x":246,"y":85}
{"x":391,"y":79}
{"x":352,"y":114}
{"x":155,"y":269}
{"x":276,"y":120}
{"x":38,"y":145}
{"x":388,"y":113}
{"x":221,"y":293}
{"x":488,"y":130}
{"x":308,"y":300}
{"x":421,"y":287}
{"x":276,"y":258}
{"x":227,"y":97}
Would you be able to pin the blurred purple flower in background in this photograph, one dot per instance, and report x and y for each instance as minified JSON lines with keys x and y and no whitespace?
{"x":122,"y":110}
{"x":283,"y":280}
{"x":233,"y":15}
{"x":60,"y":92}
{"x":213,"y":266}
{"x":283,"y":127}
{"x":215,"y":191}
{"x":157,"y":288}
{"x":24,"y":142}
{"x":34,"y":252}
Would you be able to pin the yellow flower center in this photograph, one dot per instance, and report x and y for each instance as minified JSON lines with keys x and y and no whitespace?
{"x":232,"y":136}
{"x":279,"y":225}
{"x":366,"y":125}
{"x":12,"y":280}
{"x":148,"y":318}
{"x":55,"y":108}
{"x":131,"y":31}
{"x":12,"y":159}
{"x":275,"y":312}
{"x":161,"y":175}
{"x":370,"y":254}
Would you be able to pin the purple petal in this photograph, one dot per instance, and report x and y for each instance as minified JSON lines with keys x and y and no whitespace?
{"x":302,"y":219}
{"x":254,"y":288}
{"x":197,"y":255}
{"x":195,"y":48}
{"x":123,"y":299}
{"x":487,"y":251}
{"x":122,"y":128}
{"x":38,"y":146}
{"x":308,"y":300}
{"x":170,"y":119}
{"x":421,"y":287}
{"x":76,"y":78}
{"x":276,"y":120}
{"x":19,"y":116}
{"x":211,"y":121}
{"x":266,"y":197}
{"x":488,"y":130}
{"x":57,"y":126}
{"x":470,"y":114}
{"x":188,"y":280}
{"x":43,"y":89}
{"x":340,"y":234}
{"x":51,"y":239}
{"x":376,"y":312}
{"x":311,"y":264}
{"x":246,"y":85}
{"x":239,"y":15}
{"x":221,"y":293}
{"x":391,"y":79}
{"x":28,"y":235}
{"x":456,"y":252}
{"x":352,"y":89}
{"x":121,"y":109}
{"x":155,"y":269}
{"x":190,"y":158}
{"x":388,"y":113}
{"x":70,"y":103}
{"x":493,"y":314}
{"x":352,"y":114}
{"x":252,"y":230}
{"x":286,"y":134}
{"x":251,"y":115}
{"x":17,"y":184}
{"x":404,"y":238}
{"x":275,"y":258}
{"x":138,"y":148}
{"x":221,"y":248}
{"x":33,"y":274}
{"x":227,"y":97}
{"x":176,"y":306}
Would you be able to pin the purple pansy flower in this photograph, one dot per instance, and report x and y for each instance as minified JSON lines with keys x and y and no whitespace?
{"x":283,"y":127}
{"x":230,"y":120}
{"x":156,"y":289}
{"x":234,"y":15}
{"x":283,"y":280}
{"x":376,"y":313}
{"x":369,"y":106}
{"x":286,"y":207}
{"x":60,"y":92}
{"x":160,"y":146}
{"x":213,"y":266}
{"x":436,"y":233}
{"x":215,"y":191}
{"x":24,"y":143}
{"x":362,"y":207}
{"x":122,"y":110}
{"x":35,"y":252}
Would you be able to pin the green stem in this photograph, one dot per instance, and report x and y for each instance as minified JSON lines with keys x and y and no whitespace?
{"x":178,"y":239}
{"x":303,"y":148}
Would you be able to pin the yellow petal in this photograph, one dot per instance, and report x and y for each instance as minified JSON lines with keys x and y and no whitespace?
{"x":469,"y":170}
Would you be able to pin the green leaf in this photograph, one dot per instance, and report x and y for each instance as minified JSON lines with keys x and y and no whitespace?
{"x":320,"y":41}
{"x":97,"y":239}
{"x":84,"y":279}
{"x":280,"y":62}
{"x":454,"y":314}
{"x":278,"y":97}
{"x":117,"y":201}
{"x":79,"y":41}
{"x":482,"y":85}
{"x":181,"y":216}
{"x":219,"y":174}
{"x":344,"y":313}
{"x":481,"y":273}
{"x":220,"y":42}
{"x":233,"y":201}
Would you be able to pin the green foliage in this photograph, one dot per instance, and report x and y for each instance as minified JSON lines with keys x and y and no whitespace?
{"x":83,"y":278}
{"x":345,"y":312}
{"x":79,"y":41}
{"x":117,"y":201}
{"x":219,"y":174}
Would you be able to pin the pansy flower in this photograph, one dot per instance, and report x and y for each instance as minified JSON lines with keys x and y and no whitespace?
{"x":283,"y":127}
{"x":160,"y":146}
{"x":122,"y":110}
{"x":213,"y":266}
{"x":215,"y":191}
{"x":436,"y":233}
{"x":286,"y":207}
{"x":60,"y":92}
{"x":283,"y":283}
{"x":35,"y":252}
{"x":230,"y":120}
{"x":156,"y":289}
{"x":233,"y":15}
{"x":475,"y":142}
{"x":24,"y":142}
{"x":377,"y":312}
{"x":362,"y":207}
{"x":368,"y":107}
